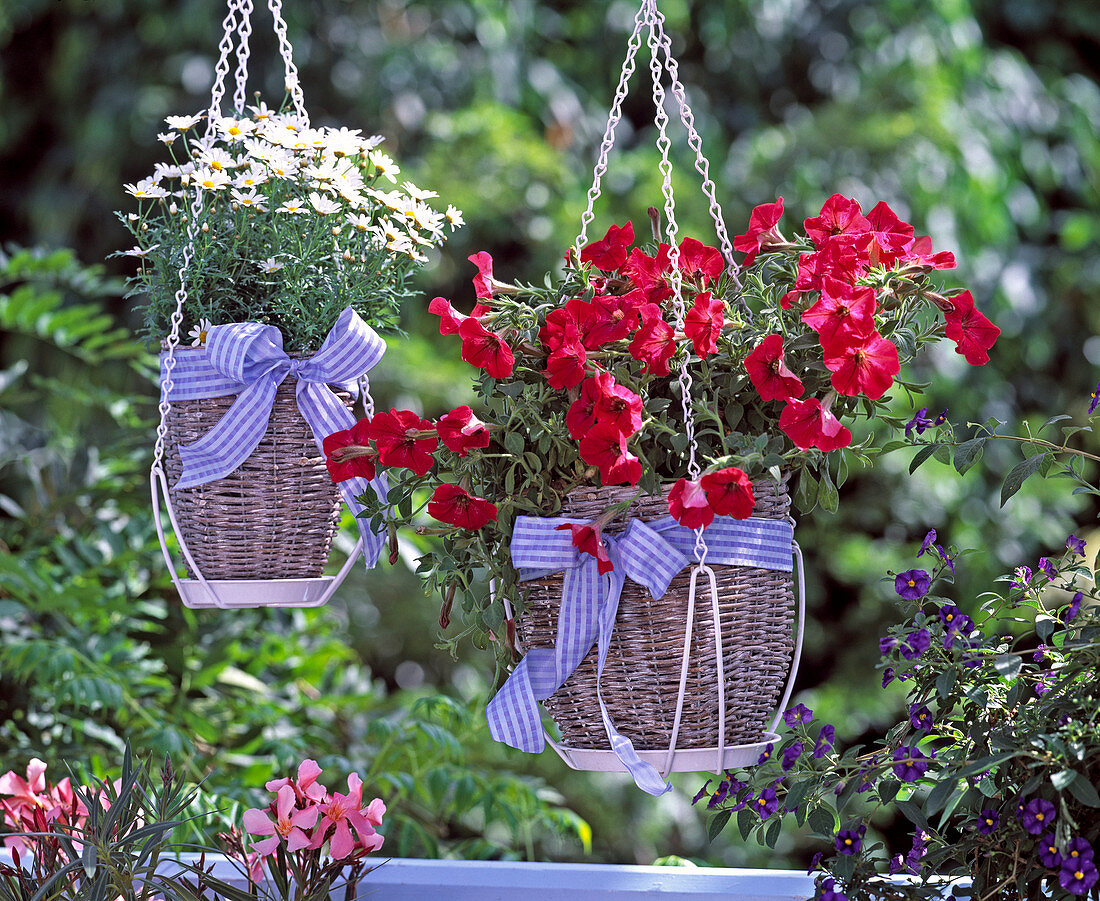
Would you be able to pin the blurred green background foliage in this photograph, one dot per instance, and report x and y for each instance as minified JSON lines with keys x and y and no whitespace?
{"x":976,"y":121}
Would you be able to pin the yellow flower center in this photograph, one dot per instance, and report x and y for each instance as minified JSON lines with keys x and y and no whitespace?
{"x":208,"y":182}
{"x":912,"y":583}
{"x":234,"y":130}
{"x":1078,"y":875}
{"x":202,"y":335}
{"x":1040,"y":817}
{"x":214,"y":164}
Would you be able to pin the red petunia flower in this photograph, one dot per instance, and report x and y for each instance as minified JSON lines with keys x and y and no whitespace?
{"x":696,"y":258}
{"x":839,"y":259}
{"x":687,"y":502}
{"x":762,"y":230}
{"x":919,"y":253}
{"x":609,"y":253}
{"x":565,"y":367}
{"x":457,"y":507}
{"x":613,"y":317}
{"x":617,"y":404}
{"x":654,"y":343}
{"x":397,"y":447}
{"x":729,"y":492}
{"x":562,"y":328}
{"x":449,"y":318}
{"x":703,"y":323}
{"x":808,"y":424}
{"x":890,"y":235}
{"x":604,"y":446}
{"x":461,"y":431}
{"x":769,"y":373}
{"x":485,"y":350}
{"x":839,"y":216}
{"x":972,"y":333}
{"x":581,"y":415}
{"x":483,"y":281}
{"x":862,"y":365}
{"x":648,"y":273}
{"x":588,"y":540}
{"x":343,"y":467}
{"x":843,"y":311}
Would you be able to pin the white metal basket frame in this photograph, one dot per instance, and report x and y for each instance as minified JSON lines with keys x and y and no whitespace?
{"x":222,"y":593}
{"x":662,"y":61}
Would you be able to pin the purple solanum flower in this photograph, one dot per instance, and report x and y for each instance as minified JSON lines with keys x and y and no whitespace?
{"x":1022,"y":576}
{"x":815,"y":862}
{"x":1077,"y":877}
{"x":1038,"y":814}
{"x":887,"y":676}
{"x":988,"y":820}
{"x":1094,"y":399}
{"x":791,"y":754}
{"x":849,"y":841}
{"x":916,"y":643}
{"x":1048,"y":851}
{"x":919,"y":422}
{"x":825,"y":738}
{"x":941,"y":419}
{"x":1047,"y":567}
{"x":766,"y":804}
{"x":929,"y":540}
{"x":1077,"y":545}
{"x":829,"y":892}
{"x":703,"y":792}
{"x":1074,"y":607}
{"x":920,"y":717}
{"x":766,"y":754}
{"x":1079,"y":849}
{"x":911,"y":763}
{"x":800,"y":713}
{"x":912,"y":585}
{"x":887,"y":644}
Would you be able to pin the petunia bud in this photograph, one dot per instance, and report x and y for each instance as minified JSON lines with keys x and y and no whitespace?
{"x":391,"y":535}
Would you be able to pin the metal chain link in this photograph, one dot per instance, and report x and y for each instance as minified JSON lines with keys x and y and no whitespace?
{"x":671,"y":229}
{"x":293,"y":85}
{"x":243,"y":35}
{"x":633,"y":45}
{"x":221,"y":69}
{"x":702,"y":164}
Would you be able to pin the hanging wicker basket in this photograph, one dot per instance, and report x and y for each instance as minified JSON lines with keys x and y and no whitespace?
{"x":641,"y":678}
{"x":273,"y":518}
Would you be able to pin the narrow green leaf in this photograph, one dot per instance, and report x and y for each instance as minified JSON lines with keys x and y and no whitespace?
{"x":823,"y":821}
{"x":937,"y":798}
{"x":968,"y":453}
{"x":717,"y":824}
{"x":921,"y":457}
{"x":1084,"y":791}
{"x":1008,"y":665}
{"x":1018,"y":475}
{"x":945,"y":682}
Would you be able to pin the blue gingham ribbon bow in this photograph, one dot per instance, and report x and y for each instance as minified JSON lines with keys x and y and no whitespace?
{"x":649,"y":553}
{"x":247,"y":359}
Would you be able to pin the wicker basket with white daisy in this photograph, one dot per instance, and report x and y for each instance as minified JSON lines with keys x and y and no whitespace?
{"x":278,"y":248}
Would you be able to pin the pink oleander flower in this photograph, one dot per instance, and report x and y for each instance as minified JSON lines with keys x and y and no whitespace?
{"x":306,"y":787}
{"x":288,"y":823}
{"x":344,"y":813}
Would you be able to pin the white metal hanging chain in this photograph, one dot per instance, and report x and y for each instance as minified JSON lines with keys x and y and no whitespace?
{"x":702,"y":164}
{"x":656,"y":31}
{"x":293,"y":84}
{"x":243,"y":34}
{"x":221,"y":69}
{"x":613,"y":118}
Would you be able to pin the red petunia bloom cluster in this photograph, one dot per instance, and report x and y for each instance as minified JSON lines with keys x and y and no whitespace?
{"x":403,"y":440}
{"x":861,"y":360}
{"x":481,"y":347}
{"x":727,"y":492}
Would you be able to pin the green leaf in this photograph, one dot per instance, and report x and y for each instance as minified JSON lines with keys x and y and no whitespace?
{"x":772,"y":835}
{"x":968,"y":453}
{"x":1063,"y":778}
{"x":746,"y":819}
{"x":1084,"y":791}
{"x":717,"y":824}
{"x":827,"y":496}
{"x":945,"y":682}
{"x":1008,"y":665}
{"x":805,"y":496}
{"x":1018,"y":475}
{"x":913,"y":813}
{"x":513,"y":443}
{"x":921,"y":457}
{"x":985,"y":763}
{"x":939,"y":795}
{"x":823,"y":821}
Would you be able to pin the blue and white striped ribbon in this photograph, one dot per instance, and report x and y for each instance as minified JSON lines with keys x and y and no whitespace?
{"x":247,"y":359}
{"x":649,"y":553}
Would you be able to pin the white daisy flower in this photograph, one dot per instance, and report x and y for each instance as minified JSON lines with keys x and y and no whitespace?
{"x":167,"y":138}
{"x":233,"y":129}
{"x":323,"y":205}
{"x":416,"y":193}
{"x":360,"y":222}
{"x":200,"y":332}
{"x":263,"y":112}
{"x":252,"y":200}
{"x":384,"y":166}
{"x":246,"y":180}
{"x":292,"y":206}
{"x":138,"y":252}
{"x":217,"y":159}
{"x":146,"y":189}
{"x":454,"y":217}
{"x":183,"y":123}
{"x":344,"y":142}
{"x":211,"y":179}
{"x":270,"y":265}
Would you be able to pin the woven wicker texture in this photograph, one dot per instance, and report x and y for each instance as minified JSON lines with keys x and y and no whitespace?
{"x":275,"y":517}
{"x":641,"y":677}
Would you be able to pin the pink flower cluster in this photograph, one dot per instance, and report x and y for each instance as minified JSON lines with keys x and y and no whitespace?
{"x":33,"y":805}
{"x":305,"y":815}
